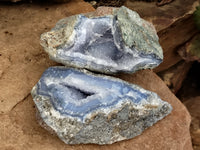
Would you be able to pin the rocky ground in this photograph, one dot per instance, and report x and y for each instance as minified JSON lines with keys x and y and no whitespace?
{"x":23,"y":60}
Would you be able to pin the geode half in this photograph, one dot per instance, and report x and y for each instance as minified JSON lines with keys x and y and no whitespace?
{"x":81,"y":107}
{"x":119,"y":42}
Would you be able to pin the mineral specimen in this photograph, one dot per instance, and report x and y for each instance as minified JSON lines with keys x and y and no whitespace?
{"x":119,"y":42}
{"x":81,"y":107}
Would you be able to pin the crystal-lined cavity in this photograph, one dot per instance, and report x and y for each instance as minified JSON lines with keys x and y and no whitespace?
{"x":81,"y":107}
{"x":119,"y":42}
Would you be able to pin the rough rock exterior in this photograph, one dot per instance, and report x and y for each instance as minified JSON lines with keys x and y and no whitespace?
{"x":83,"y":108}
{"x":118,"y":42}
{"x":23,"y":61}
{"x":169,"y":20}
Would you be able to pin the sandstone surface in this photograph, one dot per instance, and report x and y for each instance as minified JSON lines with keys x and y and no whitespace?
{"x":22,"y":63}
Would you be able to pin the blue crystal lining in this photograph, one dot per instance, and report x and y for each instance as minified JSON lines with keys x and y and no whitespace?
{"x":77,"y":94}
{"x":98,"y":44}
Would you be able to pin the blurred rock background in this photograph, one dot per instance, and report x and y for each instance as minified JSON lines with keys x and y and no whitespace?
{"x":22,"y":61}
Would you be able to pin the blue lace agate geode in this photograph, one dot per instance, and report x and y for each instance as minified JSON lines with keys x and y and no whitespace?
{"x":81,"y":107}
{"x":119,"y":42}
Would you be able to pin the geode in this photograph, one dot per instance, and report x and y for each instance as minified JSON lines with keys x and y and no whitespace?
{"x":81,"y":107}
{"x":119,"y":42}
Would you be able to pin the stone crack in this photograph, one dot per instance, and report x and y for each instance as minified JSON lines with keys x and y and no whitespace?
{"x":21,"y":101}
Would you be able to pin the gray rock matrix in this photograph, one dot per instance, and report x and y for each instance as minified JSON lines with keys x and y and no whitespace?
{"x":119,"y":42}
{"x":81,"y":107}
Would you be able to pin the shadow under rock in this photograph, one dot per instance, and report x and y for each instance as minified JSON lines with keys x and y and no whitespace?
{"x":191,"y":85}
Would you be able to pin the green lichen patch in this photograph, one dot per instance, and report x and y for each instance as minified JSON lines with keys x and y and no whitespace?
{"x":137,"y":32}
{"x":194,"y":47}
{"x":197,"y":17}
